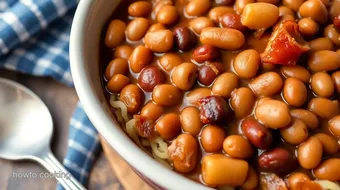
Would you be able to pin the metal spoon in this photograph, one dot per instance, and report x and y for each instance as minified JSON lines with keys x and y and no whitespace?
{"x":26,"y":129}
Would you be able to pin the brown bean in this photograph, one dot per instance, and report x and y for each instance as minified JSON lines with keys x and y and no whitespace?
{"x":296,"y":179}
{"x":159,"y":41}
{"x":205,"y":53}
{"x":225,"y":84}
{"x":295,"y":133}
{"x":252,"y":180}
{"x":319,"y":44}
{"x":184,"y":76}
{"x":215,"y":165}
{"x":140,"y":58}
{"x":214,"y":109}
{"x":216,"y":13}
{"x":334,"y":126}
{"x":232,"y":20}
{"x":212,"y":138}
{"x":273,"y":114}
{"x":324,"y":60}
{"x":324,"y":108}
{"x":329,"y":170}
{"x":157,"y":26}
{"x":267,"y":66}
{"x":322,"y":84}
{"x":167,"y":95}
{"x":315,"y":10}
{"x":242,"y":101}
{"x":116,"y":66}
{"x":198,"y":24}
{"x":184,"y":152}
{"x":185,"y":39}
{"x":332,"y":34}
{"x":247,"y":63}
{"x":293,"y":4}
{"x":238,"y":147}
{"x":224,"y":2}
{"x":140,"y":9}
{"x":277,"y":160}
{"x":309,"y":118}
{"x":208,"y":73}
{"x":334,"y":9}
{"x":284,"y":10}
{"x":158,"y":5}
{"x":169,"y":126}
{"x":225,"y":38}
{"x":266,"y":84}
{"x":257,"y":134}
{"x":190,"y":120}
{"x":329,"y":143}
{"x":309,"y":153}
{"x":117,"y":83}
{"x":308,"y":27}
{"x":336,"y":80}
{"x":294,"y":92}
{"x":150,"y":77}
{"x":132,"y":97}
{"x":269,"y":1}
{"x":137,"y":28}
{"x":115,"y":33}
{"x":167,"y":15}
{"x":259,"y":15}
{"x":123,"y":51}
{"x":240,"y":4}
{"x":196,"y":94}
{"x":296,"y":71}
{"x":169,"y":61}
{"x":152,"y":111}
{"x":197,"y":7}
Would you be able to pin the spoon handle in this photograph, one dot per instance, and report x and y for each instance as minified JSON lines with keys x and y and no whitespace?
{"x":65,"y":178}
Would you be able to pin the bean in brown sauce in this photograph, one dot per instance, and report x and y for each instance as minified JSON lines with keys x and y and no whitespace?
{"x":198,"y":24}
{"x":297,"y":71}
{"x":308,"y":117}
{"x":215,"y":14}
{"x":294,"y":92}
{"x":225,"y":84}
{"x":212,"y":138}
{"x":242,"y":102}
{"x":309,"y":153}
{"x":322,"y":84}
{"x":336,"y":80}
{"x":190,"y":120}
{"x":168,"y":126}
{"x":319,"y":44}
{"x":266,"y":84}
{"x":324,"y":108}
{"x":132,"y":96}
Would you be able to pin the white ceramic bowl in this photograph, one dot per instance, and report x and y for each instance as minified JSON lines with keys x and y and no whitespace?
{"x":88,"y":23}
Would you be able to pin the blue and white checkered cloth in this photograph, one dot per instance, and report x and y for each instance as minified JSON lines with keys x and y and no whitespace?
{"x":34,"y":39}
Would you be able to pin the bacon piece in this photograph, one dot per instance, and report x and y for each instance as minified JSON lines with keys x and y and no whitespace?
{"x":144,"y":127}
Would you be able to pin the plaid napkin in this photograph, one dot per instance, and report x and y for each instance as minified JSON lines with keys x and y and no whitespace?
{"x":34,"y":39}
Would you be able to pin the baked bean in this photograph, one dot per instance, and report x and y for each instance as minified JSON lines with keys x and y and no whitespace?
{"x":269,"y":1}
{"x":323,"y":107}
{"x":296,"y":179}
{"x":215,"y":165}
{"x":295,"y":133}
{"x":137,"y":28}
{"x":232,"y":20}
{"x":214,"y":109}
{"x":259,"y":15}
{"x":308,"y":27}
{"x":132,"y":96}
{"x":267,"y":66}
{"x":240,"y":4}
{"x":273,"y":113}
{"x":115,"y":33}
{"x":166,"y":95}
{"x":159,"y":41}
{"x":242,"y":101}
{"x":319,"y":44}
{"x":296,"y":71}
{"x":216,"y":13}
{"x":277,"y":160}
{"x":208,"y":73}
{"x":257,"y":134}
{"x":309,"y":118}
{"x":152,"y":111}
{"x":150,"y":77}
{"x":184,"y":38}
{"x":184,"y":152}
{"x":334,"y":9}
{"x":325,"y":2}
{"x":169,"y":61}
{"x":212,"y":138}
{"x":116,"y":66}
{"x":322,"y":84}
{"x":205,"y":53}
{"x":284,"y":10}
{"x":309,"y":153}
{"x":196,"y":94}
{"x":266,"y":84}
{"x":315,"y":10}
{"x":224,"y":2}
{"x":293,"y":4}
{"x":247,"y":63}
{"x":167,"y":15}
{"x":336,"y":80}
{"x":184,"y":76}
{"x":157,"y":26}
{"x":329,"y":143}
{"x":140,"y":9}
{"x":197,"y":7}
{"x":190,"y":120}
{"x":324,"y":60}
{"x":338,"y":51}
{"x":198,"y":24}
{"x":238,"y":147}
{"x":334,"y":125}
{"x":168,"y":126}
{"x":331,"y":33}
{"x":336,"y":22}
{"x":161,"y":4}
{"x":252,"y":180}
{"x":117,"y":83}
{"x":140,"y":58}
{"x":294,"y":92}
{"x":123,"y":51}
{"x":225,"y":38}
{"x":329,"y":170}
{"x":225,"y":84}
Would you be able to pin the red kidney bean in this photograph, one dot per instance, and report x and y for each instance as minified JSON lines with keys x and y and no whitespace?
{"x":277,"y":160}
{"x":232,"y":20}
{"x":205,"y":53}
{"x":150,"y":77}
{"x":213,"y":109}
{"x":208,"y":73}
{"x":184,"y":38}
{"x":336,"y":22}
{"x":257,"y":134}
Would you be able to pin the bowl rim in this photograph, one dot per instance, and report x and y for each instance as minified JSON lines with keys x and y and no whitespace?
{"x":92,"y":106}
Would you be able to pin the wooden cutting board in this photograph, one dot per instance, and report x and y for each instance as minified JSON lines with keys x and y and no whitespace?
{"x":128,"y":178}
